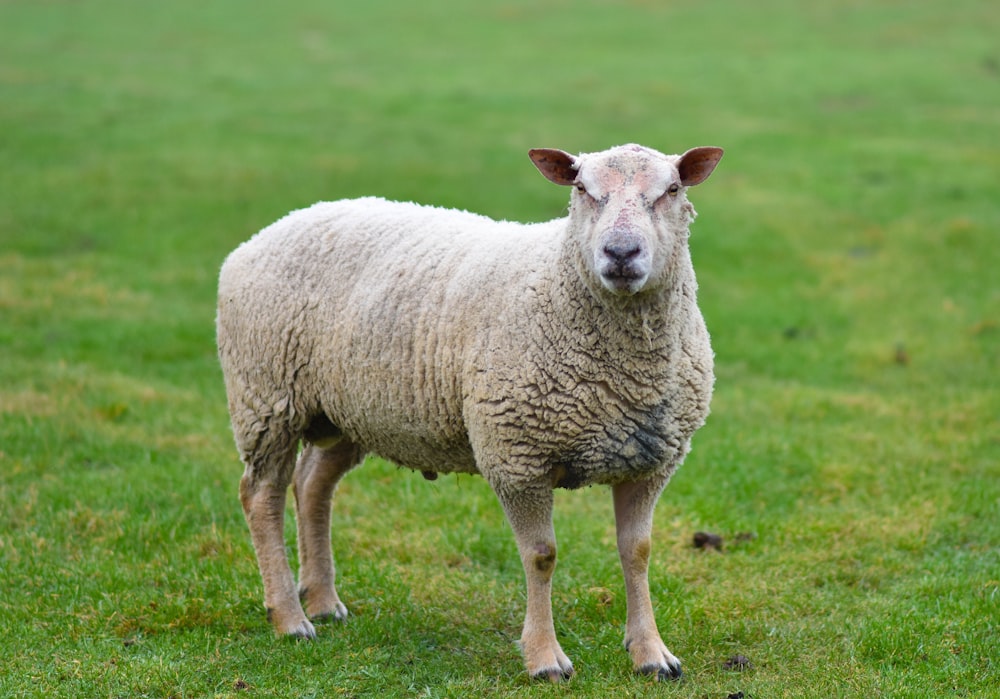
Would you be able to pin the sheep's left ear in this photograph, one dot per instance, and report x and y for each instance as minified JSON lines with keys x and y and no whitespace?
{"x":697,"y":164}
{"x":557,"y":165}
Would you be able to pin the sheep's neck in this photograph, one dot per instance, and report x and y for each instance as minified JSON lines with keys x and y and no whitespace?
{"x":649,"y":322}
{"x":626,"y":344}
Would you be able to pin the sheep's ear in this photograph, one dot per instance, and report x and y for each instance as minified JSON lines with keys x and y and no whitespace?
{"x":697,"y":164}
{"x":556,"y":165}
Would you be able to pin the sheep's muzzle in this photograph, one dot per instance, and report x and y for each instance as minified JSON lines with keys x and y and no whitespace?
{"x":623,"y":261}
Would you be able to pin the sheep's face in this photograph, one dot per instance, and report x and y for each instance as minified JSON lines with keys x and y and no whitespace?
{"x":629,"y":209}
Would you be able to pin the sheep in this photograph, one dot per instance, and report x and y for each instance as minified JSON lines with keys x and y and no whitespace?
{"x":550,"y":355}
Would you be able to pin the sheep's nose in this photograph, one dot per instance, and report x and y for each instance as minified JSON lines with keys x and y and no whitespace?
{"x":622,"y":251}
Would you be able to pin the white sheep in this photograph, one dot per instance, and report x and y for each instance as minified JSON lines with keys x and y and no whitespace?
{"x":557,"y":354}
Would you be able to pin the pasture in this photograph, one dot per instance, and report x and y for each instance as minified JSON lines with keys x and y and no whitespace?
{"x":847,"y":255}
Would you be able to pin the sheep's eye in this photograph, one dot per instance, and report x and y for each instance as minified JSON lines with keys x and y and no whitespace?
{"x":673,"y":189}
{"x":580,"y":188}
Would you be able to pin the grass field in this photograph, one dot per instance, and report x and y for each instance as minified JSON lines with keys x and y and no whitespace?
{"x":848,"y":258}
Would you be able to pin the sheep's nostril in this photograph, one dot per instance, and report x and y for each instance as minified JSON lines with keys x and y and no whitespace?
{"x":622,"y":252}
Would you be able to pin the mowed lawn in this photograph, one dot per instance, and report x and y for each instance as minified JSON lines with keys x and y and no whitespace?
{"x":847,"y":253}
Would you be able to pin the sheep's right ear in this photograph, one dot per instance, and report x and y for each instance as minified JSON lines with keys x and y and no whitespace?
{"x":557,"y":165}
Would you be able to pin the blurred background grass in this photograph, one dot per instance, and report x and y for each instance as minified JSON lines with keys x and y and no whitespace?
{"x":847,"y":258}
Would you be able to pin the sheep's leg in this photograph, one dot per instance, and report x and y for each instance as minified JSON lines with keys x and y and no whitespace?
{"x":262,"y":491}
{"x":530,"y":516}
{"x":316,"y":476}
{"x":634,"y":503}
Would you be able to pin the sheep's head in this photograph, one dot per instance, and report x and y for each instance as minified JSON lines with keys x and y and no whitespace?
{"x":629,"y":209}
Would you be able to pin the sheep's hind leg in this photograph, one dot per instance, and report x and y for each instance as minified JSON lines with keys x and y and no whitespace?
{"x":316,"y":476}
{"x":530,"y":516}
{"x":634,"y":503}
{"x":263,"y":489}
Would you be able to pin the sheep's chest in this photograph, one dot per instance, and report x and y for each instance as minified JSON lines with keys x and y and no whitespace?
{"x":603,"y":415}
{"x":631,"y":447}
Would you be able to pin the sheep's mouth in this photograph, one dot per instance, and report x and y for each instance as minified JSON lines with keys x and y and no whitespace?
{"x":623,"y":279}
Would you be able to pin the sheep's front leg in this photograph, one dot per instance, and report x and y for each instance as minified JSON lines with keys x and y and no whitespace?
{"x":530,"y":516}
{"x":262,"y":492}
{"x":634,"y":503}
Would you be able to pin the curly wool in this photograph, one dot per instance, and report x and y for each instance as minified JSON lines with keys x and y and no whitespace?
{"x":430,"y":335}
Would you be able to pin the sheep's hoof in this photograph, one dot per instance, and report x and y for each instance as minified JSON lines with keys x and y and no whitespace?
{"x":554,"y":675}
{"x":545,"y":660}
{"x":667,"y":671}
{"x":651,"y":657}
{"x":322,"y":607}
{"x":302,"y":629}
{"x":338,"y":613}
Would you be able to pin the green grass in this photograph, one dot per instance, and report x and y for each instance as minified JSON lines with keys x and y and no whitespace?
{"x":847,"y":254}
